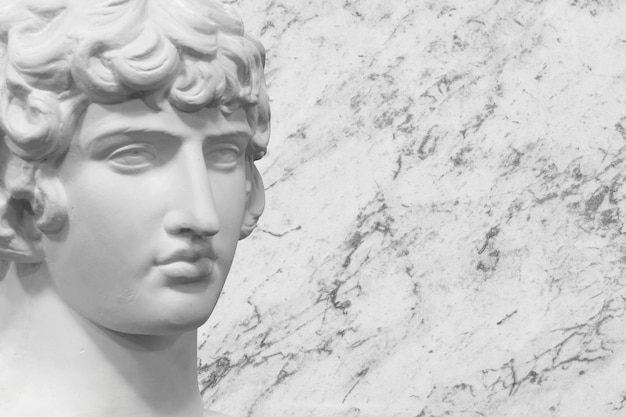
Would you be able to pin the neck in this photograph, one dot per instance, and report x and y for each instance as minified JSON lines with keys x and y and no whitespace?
{"x":75,"y":367}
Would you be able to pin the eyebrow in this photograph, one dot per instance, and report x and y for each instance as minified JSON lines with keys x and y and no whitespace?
{"x":113,"y":136}
{"x":100,"y":142}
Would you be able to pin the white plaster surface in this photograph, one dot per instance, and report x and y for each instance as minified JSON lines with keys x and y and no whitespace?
{"x":444,"y":225}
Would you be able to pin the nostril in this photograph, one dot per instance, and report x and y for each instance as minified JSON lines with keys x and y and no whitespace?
{"x":178,"y":223}
{"x":193,"y":231}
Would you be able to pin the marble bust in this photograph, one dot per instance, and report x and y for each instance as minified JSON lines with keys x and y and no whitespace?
{"x":129,"y":133}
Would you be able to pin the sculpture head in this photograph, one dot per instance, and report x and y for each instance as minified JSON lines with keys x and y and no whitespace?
{"x":129,"y":133}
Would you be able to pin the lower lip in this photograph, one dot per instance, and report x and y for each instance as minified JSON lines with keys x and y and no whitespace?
{"x":182,"y":272}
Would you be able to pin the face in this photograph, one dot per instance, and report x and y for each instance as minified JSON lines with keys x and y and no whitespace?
{"x":156,"y":201}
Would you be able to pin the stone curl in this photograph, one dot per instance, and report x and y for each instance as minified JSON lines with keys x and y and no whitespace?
{"x":58,"y":56}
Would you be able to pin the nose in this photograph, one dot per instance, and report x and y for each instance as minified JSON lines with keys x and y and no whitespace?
{"x":194,"y":212}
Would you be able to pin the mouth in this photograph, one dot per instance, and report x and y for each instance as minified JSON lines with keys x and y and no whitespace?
{"x":183,"y":271}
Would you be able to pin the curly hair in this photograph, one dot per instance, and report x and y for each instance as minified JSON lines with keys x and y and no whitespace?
{"x":57,"y":56}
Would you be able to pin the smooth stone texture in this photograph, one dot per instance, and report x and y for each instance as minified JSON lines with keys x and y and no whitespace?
{"x":444,"y":230}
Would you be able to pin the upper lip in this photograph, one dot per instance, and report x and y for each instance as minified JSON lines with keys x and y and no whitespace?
{"x":187,"y":254}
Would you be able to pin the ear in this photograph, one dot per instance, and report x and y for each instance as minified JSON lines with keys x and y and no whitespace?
{"x":255,"y":199}
{"x":19,"y":235}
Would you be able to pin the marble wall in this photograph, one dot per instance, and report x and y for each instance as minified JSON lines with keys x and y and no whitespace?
{"x":444,"y":231}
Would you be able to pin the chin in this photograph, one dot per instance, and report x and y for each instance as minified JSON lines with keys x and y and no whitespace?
{"x":177,"y":319}
{"x":162,"y":328}
{"x":179,"y":322}
{"x":180,"y":325}
{"x":169,"y":329}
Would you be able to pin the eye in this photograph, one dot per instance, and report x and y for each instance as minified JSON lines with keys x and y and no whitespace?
{"x":133,"y":156}
{"x":223,"y":156}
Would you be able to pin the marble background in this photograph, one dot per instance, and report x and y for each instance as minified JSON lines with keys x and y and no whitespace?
{"x":444,"y":231}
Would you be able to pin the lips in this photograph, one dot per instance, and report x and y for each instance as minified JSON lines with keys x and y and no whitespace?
{"x":182,"y":271}
{"x":187,"y":264}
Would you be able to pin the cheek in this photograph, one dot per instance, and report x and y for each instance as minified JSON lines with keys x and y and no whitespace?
{"x":115,"y":207}
{"x":112,"y":217}
{"x":229,"y":196}
{"x":103,"y":235}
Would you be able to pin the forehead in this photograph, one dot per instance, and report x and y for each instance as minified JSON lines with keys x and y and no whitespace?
{"x":101,"y":120}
